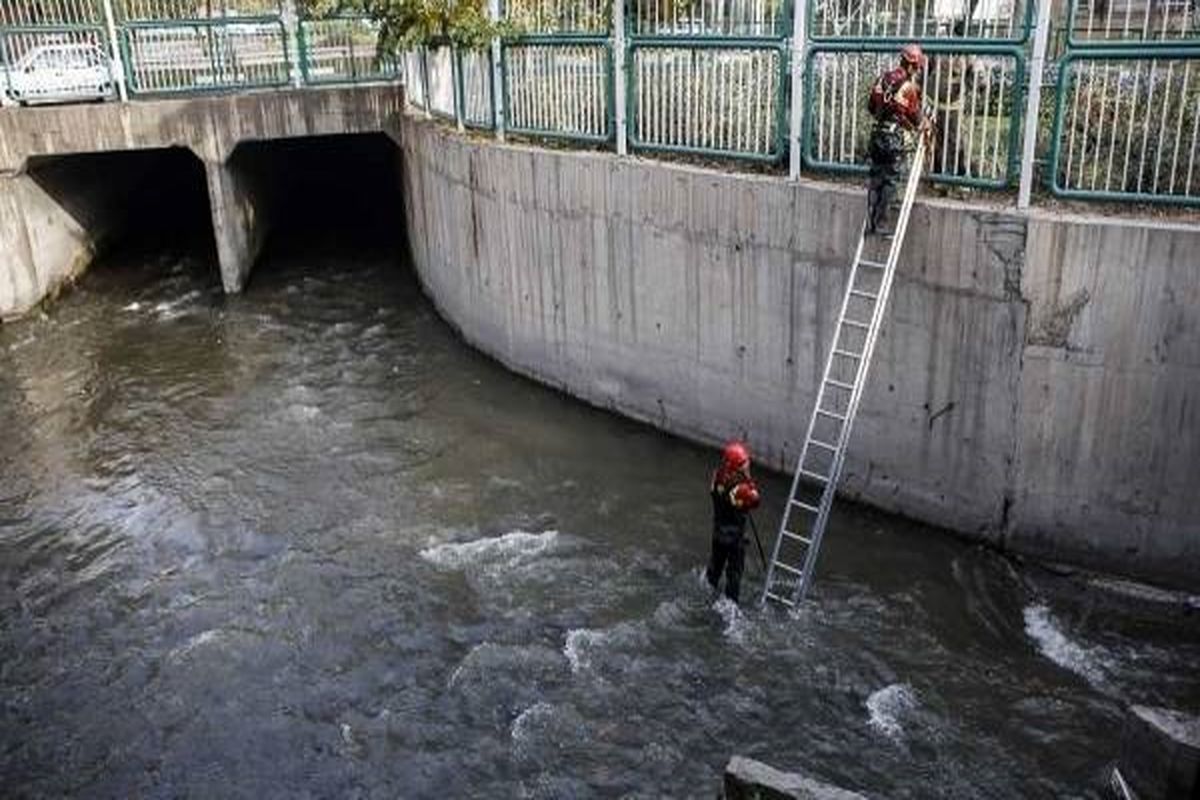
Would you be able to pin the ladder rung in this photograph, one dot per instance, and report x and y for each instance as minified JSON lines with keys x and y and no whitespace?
{"x":779,"y":599}
{"x":826,"y":445}
{"x":805,"y":506}
{"x":847,"y":354}
{"x":840,"y":384}
{"x":856,"y":324}
{"x":875,"y":264}
{"x":865,"y":295}
{"x":813,"y":475}
{"x":831,"y":415}
{"x":786,"y":568}
{"x":798,"y":537}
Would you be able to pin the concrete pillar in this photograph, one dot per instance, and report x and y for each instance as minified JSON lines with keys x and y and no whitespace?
{"x":1160,"y":754}
{"x":43,"y":247}
{"x":238,"y":218}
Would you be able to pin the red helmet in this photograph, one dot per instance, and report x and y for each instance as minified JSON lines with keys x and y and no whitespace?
{"x":735,"y":456}
{"x":912,"y":55}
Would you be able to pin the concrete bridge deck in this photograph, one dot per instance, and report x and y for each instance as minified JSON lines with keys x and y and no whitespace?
{"x":44,"y":244}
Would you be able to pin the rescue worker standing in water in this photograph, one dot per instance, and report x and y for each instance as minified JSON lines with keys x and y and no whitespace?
{"x":734,"y":495}
{"x":895,"y":103}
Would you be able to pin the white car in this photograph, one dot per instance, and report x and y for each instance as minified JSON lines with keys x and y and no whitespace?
{"x":60,"y":73}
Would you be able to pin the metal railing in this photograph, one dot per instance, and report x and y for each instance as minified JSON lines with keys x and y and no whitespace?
{"x":964,"y":21}
{"x":439,"y":71}
{"x":558,"y":87}
{"x":205,"y":55}
{"x":343,"y":49}
{"x":1126,"y":122}
{"x":415,"y":78}
{"x":710,"y":77}
{"x":475,"y":88}
{"x":973,"y":94}
{"x":1127,"y":127}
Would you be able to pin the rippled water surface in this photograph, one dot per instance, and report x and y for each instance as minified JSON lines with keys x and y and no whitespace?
{"x":305,"y":543}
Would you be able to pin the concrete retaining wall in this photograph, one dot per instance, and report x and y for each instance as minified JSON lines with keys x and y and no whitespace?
{"x":1035,"y":385}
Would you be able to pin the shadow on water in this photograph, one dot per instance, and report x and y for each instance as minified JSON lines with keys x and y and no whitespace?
{"x":304,"y":542}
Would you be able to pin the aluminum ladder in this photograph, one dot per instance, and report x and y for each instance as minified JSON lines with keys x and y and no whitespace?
{"x":814,"y":484}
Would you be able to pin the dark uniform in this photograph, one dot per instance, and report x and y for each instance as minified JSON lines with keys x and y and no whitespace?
{"x":733,"y":494}
{"x":895,"y":102}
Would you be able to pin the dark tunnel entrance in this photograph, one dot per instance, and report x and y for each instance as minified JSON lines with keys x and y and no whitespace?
{"x":328,"y":196}
{"x":134,"y":202}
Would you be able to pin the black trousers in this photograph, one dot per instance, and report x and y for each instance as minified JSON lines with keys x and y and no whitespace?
{"x":729,"y":556}
{"x":887,"y":159}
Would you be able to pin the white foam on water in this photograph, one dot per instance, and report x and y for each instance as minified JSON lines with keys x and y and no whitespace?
{"x":170,"y":310}
{"x":511,"y":548}
{"x":887,"y":705}
{"x":134,"y":306}
{"x":579,"y":641}
{"x":584,"y":643}
{"x":302,"y":412}
{"x":537,"y":715}
{"x":737,"y":626}
{"x":1053,"y":643}
{"x":199,"y":640}
{"x":487,"y":660}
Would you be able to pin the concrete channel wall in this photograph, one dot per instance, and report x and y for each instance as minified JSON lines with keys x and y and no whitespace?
{"x":1036,"y":384}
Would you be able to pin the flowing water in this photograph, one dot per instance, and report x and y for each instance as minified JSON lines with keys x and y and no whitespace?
{"x":305,"y":543}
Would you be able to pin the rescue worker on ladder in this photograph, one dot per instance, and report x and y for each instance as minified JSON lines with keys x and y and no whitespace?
{"x":895,"y":103}
{"x":734,"y":495}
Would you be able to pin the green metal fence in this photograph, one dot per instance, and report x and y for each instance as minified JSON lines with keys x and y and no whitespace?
{"x":204,"y":55}
{"x":415,"y":78}
{"x":559,"y":86}
{"x":1126,"y":122}
{"x":708,"y":77}
{"x":475,"y":89}
{"x":343,"y":49}
{"x":974,"y":95}
{"x":441,"y":76}
{"x":557,"y":75}
{"x":54,"y":51}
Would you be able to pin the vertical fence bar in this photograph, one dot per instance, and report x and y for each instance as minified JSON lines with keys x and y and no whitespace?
{"x":798,"y":48}
{"x":114,"y":52}
{"x":497,"y":74}
{"x":619,"y":75}
{"x":294,"y":53}
{"x":1033,"y":101}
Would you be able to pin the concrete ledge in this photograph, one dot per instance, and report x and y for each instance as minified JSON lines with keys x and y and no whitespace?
{"x":747,"y":779}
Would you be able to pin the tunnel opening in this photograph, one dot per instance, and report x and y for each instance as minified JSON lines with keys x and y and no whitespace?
{"x":131,"y":204}
{"x":335,"y":197}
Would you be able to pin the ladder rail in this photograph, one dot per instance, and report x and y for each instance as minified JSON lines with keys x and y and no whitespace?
{"x":812,"y":421}
{"x":862,"y":367}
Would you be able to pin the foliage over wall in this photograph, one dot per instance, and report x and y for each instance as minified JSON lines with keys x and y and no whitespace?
{"x":405,"y":23}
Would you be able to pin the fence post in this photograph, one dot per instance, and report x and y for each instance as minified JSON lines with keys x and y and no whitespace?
{"x":620,"y":75}
{"x":456,"y":84}
{"x":114,"y":51}
{"x":497,"y":74}
{"x":798,"y":49}
{"x":291,"y":27}
{"x":1033,"y":103}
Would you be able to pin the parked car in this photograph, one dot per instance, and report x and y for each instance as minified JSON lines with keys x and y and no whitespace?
{"x":58,"y":73}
